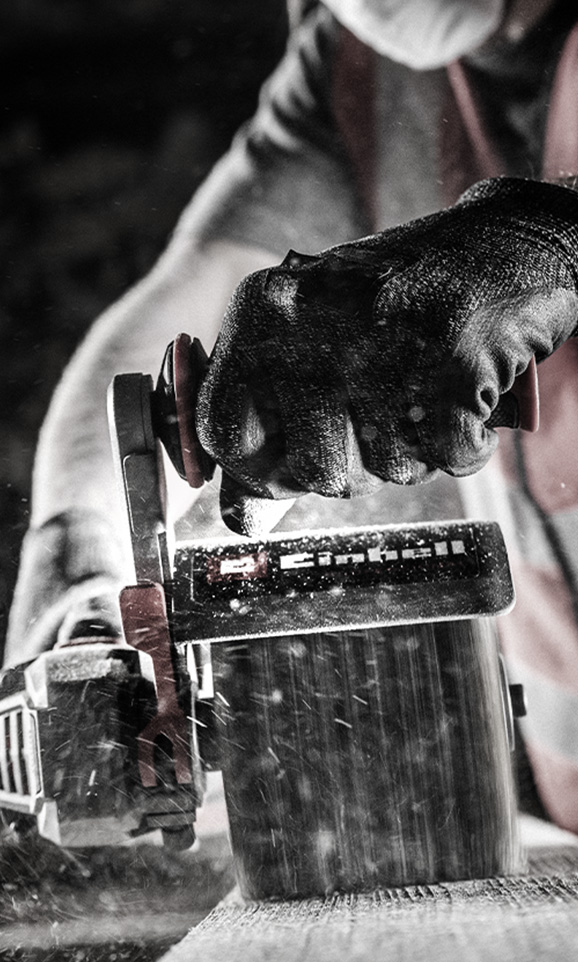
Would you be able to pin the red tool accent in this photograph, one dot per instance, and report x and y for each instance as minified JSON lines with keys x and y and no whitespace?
{"x":186,"y":386}
{"x":525,"y":390}
{"x":144,"y":618}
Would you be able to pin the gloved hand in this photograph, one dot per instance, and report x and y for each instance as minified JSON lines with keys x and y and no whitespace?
{"x":382,"y":359}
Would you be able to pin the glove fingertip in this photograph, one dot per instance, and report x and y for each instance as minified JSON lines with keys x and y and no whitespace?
{"x":248,"y":515}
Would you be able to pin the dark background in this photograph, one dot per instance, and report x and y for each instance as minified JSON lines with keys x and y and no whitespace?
{"x":111,"y":114}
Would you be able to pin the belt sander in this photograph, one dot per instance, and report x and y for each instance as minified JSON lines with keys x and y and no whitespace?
{"x":347,"y":683}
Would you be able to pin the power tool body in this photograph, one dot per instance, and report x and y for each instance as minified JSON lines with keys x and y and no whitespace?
{"x":347,"y":683}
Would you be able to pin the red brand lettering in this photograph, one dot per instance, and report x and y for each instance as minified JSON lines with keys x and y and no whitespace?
{"x":237,"y":567}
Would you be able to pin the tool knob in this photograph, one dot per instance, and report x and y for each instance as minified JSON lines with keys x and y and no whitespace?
{"x":173,"y":404}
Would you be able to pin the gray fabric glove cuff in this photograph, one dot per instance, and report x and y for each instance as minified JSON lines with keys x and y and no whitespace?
{"x":70,"y":560}
{"x":547,"y":211}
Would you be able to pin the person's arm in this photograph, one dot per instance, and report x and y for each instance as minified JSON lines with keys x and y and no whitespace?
{"x":75,"y":555}
{"x":285,"y":181}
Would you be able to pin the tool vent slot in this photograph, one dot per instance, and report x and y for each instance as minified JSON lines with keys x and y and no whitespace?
{"x":15,"y":759}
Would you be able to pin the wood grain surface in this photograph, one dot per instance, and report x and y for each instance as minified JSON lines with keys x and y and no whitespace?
{"x":530,"y":918}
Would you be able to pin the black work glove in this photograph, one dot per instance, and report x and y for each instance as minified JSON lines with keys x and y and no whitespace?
{"x":383,"y":359}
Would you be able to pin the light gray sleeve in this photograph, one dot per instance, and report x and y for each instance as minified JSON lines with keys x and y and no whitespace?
{"x":286,"y":181}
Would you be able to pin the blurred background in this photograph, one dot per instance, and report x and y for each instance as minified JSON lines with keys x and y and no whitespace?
{"x":111,"y":115}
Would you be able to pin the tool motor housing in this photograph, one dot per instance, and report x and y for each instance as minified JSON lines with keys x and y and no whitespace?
{"x":69,"y":728}
{"x":360,"y":711}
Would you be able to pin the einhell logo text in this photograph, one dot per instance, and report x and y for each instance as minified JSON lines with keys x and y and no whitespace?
{"x":376,"y":555}
{"x":259,"y":564}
